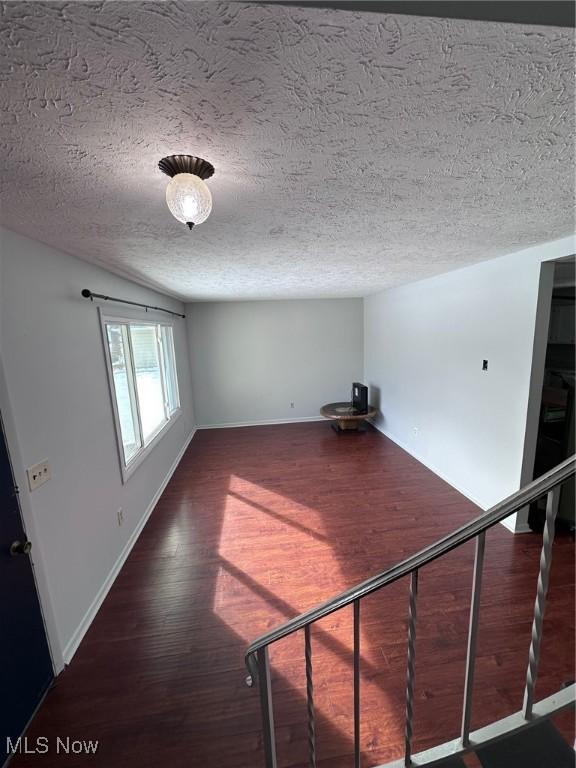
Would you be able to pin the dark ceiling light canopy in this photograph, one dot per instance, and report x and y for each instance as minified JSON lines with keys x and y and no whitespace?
{"x":187,"y":196}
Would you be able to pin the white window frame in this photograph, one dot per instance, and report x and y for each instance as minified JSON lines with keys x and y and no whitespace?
{"x":129,"y":317}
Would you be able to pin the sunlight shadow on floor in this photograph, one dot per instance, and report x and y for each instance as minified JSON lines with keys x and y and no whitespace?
{"x":253,"y":595}
{"x":279,"y":517}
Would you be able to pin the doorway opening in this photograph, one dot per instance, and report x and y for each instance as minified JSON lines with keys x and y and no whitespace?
{"x":555,"y":435}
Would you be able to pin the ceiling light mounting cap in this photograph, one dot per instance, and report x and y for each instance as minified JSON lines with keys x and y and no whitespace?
{"x":175,"y":164}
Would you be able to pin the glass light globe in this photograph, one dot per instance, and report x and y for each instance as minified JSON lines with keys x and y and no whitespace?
{"x":188,"y":199}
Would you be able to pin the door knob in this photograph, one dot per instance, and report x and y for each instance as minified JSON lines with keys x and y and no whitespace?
{"x":20,"y":548}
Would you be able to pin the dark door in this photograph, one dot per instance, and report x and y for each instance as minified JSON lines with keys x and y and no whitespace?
{"x":25,"y":665}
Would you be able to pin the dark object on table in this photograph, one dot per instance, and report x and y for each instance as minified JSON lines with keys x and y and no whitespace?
{"x":359,"y":397}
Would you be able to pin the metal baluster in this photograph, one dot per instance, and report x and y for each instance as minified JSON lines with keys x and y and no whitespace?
{"x":356,"y":683}
{"x":472,"y":636}
{"x":540,"y":604}
{"x":310,"y":698}
{"x":266,"y":707}
{"x":411,"y":668}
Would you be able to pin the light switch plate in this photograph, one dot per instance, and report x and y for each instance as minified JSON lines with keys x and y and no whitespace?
{"x":38,"y":474}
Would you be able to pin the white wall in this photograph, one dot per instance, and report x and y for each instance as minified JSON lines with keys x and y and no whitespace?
{"x":424,"y":347}
{"x":56,"y":397}
{"x":251,"y":359}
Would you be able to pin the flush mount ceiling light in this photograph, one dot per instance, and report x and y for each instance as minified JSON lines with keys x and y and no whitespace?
{"x":187,"y":196}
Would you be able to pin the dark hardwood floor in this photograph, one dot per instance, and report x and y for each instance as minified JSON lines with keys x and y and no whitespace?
{"x":257,"y":525}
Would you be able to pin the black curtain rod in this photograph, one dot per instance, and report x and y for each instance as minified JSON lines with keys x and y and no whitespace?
{"x":89,"y":295}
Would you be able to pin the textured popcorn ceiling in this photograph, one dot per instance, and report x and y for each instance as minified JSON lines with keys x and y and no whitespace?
{"x":353,"y":151}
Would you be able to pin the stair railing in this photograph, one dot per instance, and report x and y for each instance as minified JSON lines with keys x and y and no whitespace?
{"x":257,"y":657}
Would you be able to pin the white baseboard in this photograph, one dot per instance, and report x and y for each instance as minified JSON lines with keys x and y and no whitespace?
{"x":464,"y":491}
{"x":515,"y":527}
{"x":266,"y":422}
{"x":507,"y":523}
{"x":522,"y":528}
{"x":72,"y":645}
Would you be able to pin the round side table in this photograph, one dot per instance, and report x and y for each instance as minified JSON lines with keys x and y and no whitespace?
{"x":345,"y":416}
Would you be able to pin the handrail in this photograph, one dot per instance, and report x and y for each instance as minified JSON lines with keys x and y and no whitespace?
{"x":495,"y":514}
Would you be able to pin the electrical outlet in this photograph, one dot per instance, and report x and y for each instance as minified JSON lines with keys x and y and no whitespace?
{"x":416,"y":431}
{"x":484,"y":365}
{"x":38,"y":474}
{"x":291,"y":405}
{"x":120,"y":517}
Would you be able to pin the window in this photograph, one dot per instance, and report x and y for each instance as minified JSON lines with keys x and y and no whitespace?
{"x":143,"y":381}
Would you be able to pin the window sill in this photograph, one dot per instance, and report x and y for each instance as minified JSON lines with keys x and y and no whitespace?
{"x":129,"y":469}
